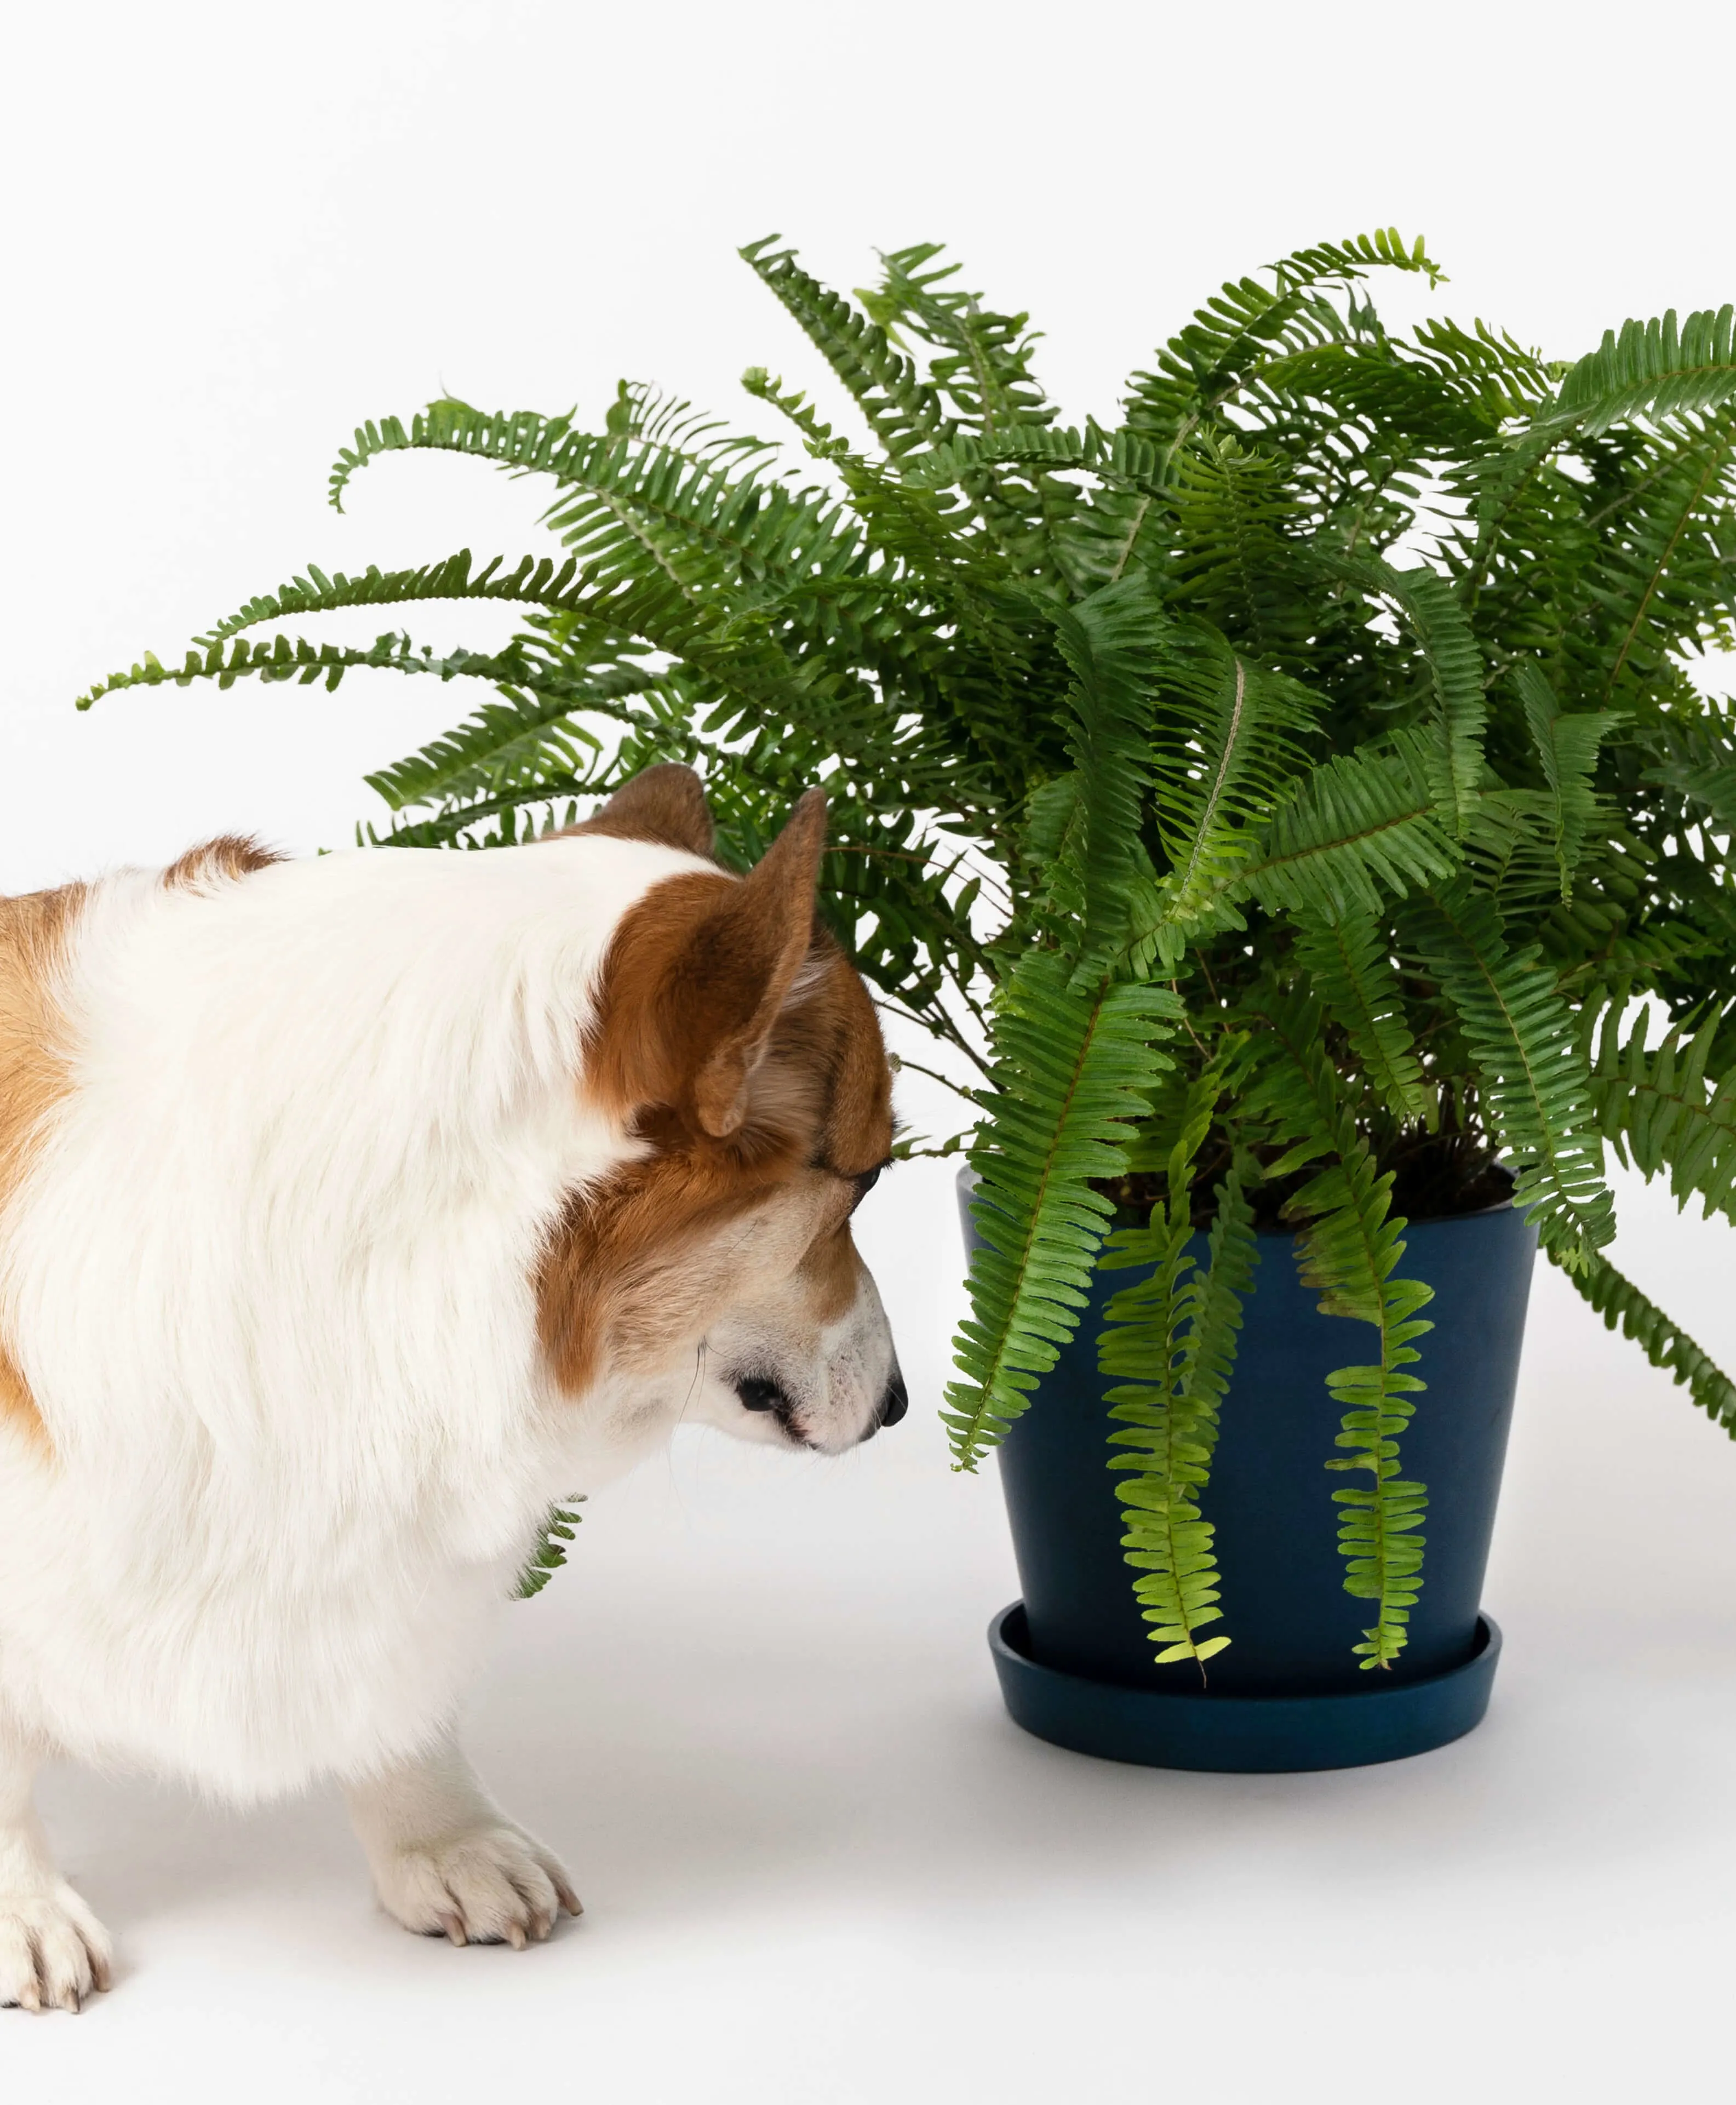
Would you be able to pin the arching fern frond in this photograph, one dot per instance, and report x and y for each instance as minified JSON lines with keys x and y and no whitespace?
{"x":903,"y":411}
{"x":1206,"y":363}
{"x":283,"y":659}
{"x":1698,"y":763}
{"x":1073,"y":1071}
{"x":533,"y":581}
{"x":1236,"y":515}
{"x":984,"y":367}
{"x":1622,"y":1305}
{"x":1652,"y":369}
{"x":508,"y":740}
{"x":1358,"y":828}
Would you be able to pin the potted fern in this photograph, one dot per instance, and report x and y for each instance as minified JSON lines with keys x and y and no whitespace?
{"x":1296,"y":805}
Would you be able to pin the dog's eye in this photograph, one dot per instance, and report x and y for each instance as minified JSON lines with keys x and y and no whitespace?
{"x":864,"y":1184}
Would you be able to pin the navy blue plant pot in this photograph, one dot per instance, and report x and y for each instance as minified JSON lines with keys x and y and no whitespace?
{"x":1076,"y":1664}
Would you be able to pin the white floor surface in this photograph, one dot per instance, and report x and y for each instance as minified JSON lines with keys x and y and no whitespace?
{"x":757,"y":1716}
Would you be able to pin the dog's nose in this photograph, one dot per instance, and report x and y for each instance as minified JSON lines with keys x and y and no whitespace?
{"x":896,"y":1400}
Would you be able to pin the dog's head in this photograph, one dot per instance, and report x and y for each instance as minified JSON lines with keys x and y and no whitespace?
{"x":715,"y":1274}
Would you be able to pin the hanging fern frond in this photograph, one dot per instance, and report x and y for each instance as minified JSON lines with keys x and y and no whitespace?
{"x":283,"y":658}
{"x":1073,"y":1069}
{"x":1221,"y":351}
{"x":1697,"y":760}
{"x":506,"y":741}
{"x":1349,"y":1250}
{"x":1170,"y":1344}
{"x":533,"y":581}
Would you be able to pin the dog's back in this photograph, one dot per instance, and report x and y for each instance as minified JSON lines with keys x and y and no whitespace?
{"x":281,"y":1144}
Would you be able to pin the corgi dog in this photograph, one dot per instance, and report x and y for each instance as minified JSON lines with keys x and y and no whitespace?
{"x":353,"y":1211}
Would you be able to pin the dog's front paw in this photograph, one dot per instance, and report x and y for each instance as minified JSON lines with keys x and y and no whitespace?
{"x":488,"y":1885}
{"x":53,"y":1950}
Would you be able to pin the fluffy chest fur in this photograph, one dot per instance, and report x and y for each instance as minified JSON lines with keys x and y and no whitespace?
{"x":267,"y":1277}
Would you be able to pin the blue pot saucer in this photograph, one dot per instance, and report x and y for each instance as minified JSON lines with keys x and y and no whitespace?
{"x":1249,"y":1735}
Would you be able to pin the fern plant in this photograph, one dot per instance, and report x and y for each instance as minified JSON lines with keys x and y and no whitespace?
{"x":1287,"y":797}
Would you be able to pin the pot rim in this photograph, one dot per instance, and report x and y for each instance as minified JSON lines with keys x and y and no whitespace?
{"x":967,"y":1180}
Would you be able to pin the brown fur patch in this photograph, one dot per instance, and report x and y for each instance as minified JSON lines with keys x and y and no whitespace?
{"x":220,"y":861}
{"x":34,"y":930}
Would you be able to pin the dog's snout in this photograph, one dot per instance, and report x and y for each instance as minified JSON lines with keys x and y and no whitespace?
{"x":896,"y":1400}
{"x":757,"y":1393}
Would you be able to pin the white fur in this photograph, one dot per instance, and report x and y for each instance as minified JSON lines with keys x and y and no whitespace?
{"x":269,"y":1283}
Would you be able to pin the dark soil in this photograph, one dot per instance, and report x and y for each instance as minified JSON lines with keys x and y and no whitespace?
{"x":1436,"y":1176}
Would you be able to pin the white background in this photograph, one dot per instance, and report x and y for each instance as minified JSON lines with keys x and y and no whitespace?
{"x":757,"y":1715}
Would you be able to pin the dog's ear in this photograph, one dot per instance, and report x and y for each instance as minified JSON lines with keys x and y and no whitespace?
{"x":698,"y":974}
{"x":746,"y":957}
{"x":665,"y":804}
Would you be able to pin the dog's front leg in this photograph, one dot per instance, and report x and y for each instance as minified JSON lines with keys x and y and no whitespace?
{"x":53,"y":1950}
{"x":447,"y":1860}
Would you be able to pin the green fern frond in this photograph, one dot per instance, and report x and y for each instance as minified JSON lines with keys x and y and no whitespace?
{"x":521,"y":439}
{"x":1220,"y":352}
{"x":1453,"y":667}
{"x":1227,"y":749}
{"x":1236,"y":514}
{"x":1358,"y":828}
{"x":1668,"y":1109}
{"x":1622,"y":1305}
{"x":1033,"y":445}
{"x":1073,"y":1069}
{"x":1349,"y":1251}
{"x":533,"y":581}
{"x":282,"y":658}
{"x":550,"y":1554}
{"x":1653,"y":370}
{"x":1112,"y":641}
{"x":984,"y":367}
{"x":903,"y":411}
{"x":1351,"y":972}
{"x":1567,"y":748}
{"x":1384,"y":249}
{"x":1170,"y":1343}
{"x":514,"y":739}
{"x":1535,"y":1088}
